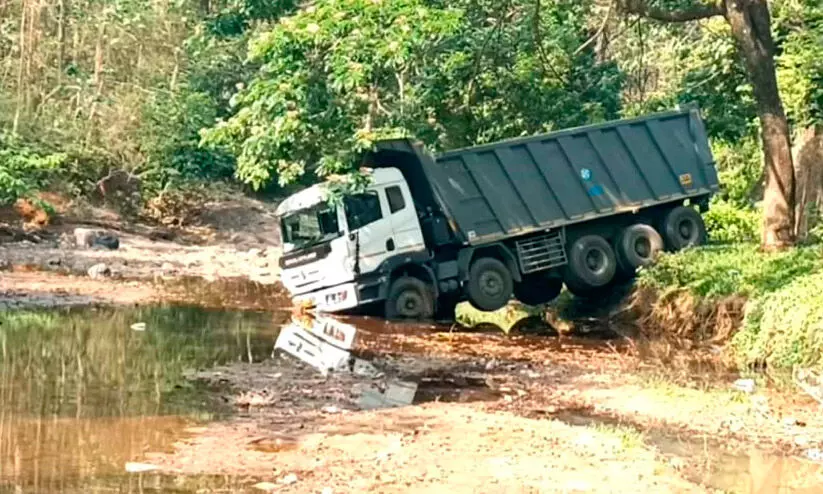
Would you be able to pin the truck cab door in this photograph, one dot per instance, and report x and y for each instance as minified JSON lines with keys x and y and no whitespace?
{"x":408,"y":236}
{"x":369,"y":229}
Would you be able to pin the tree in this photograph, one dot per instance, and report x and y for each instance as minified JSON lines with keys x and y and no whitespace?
{"x":750,"y":22}
{"x":338,"y":75}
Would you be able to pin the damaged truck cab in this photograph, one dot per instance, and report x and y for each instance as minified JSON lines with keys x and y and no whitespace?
{"x":582,"y":207}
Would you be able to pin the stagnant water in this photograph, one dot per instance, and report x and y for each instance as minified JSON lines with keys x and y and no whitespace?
{"x":84,"y":391}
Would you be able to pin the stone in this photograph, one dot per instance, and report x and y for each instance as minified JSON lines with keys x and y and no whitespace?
{"x":5,"y":265}
{"x":108,"y":241}
{"x":54,"y":262}
{"x":85,"y":237}
{"x":99,"y":271}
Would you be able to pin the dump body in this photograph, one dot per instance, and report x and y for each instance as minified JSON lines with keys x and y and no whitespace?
{"x":515,"y":187}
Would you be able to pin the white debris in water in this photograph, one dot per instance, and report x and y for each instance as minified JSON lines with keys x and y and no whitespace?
{"x":139,"y":326}
{"x":133,"y":467}
{"x":266,"y":486}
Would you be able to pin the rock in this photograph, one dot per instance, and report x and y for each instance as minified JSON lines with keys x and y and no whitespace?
{"x":108,"y":241}
{"x":84,"y":237}
{"x":289,"y":479}
{"x":745,"y":385}
{"x":5,"y":265}
{"x":54,"y":262}
{"x":99,"y":271}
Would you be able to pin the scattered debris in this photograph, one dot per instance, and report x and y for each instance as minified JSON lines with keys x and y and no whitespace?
{"x":745,"y":385}
{"x":138,"y":326}
{"x":362,"y":368}
{"x":815,"y":454}
{"x":110,"y":242}
{"x":397,"y":394}
{"x":289,"y":479}
{"x":331,"y":410}
{"x":255,"y":399}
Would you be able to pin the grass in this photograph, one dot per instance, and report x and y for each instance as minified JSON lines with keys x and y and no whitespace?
{"x":783,"y":322}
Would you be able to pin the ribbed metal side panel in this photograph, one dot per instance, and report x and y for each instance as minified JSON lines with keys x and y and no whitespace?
{"x":541,"y":252}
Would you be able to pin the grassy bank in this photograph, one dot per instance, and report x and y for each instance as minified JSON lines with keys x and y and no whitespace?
{"x":769,"y":306}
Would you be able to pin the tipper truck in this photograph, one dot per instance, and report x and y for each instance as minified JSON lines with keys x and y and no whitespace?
{"x":582,"y":207}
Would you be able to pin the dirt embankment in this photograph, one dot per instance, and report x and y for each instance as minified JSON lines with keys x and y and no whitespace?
{"x":52,"y":265}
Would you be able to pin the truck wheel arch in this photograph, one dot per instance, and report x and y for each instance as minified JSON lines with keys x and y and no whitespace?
{"x":498,"y":251}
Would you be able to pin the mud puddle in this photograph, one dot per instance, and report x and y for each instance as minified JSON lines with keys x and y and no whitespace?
{"x":84,"y":392}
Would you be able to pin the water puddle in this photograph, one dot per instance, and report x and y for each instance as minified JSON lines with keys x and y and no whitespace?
{"x":85,"y":391}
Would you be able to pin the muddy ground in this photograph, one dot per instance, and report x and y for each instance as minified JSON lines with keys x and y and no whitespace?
{"x":492,"y":413}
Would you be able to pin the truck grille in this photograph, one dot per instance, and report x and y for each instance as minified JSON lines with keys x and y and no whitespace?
{"x":542,"y":252}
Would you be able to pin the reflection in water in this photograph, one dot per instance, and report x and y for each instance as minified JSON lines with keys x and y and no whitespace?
{"x":81,"y":393}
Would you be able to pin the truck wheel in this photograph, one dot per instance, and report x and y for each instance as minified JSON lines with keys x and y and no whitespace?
{"x":683,"y":227}
{"x":537,"y":289}
{"x":490,"y":284}
{"x":636,"y":246}
{"x":592,"y":264}
{"x":409,"y":298}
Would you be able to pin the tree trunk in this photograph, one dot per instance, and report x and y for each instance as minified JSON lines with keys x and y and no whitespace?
{"x":750,"y":23}
{"x":808,"y":169}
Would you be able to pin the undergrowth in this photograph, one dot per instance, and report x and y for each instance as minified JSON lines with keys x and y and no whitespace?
{"x":782,"y":321}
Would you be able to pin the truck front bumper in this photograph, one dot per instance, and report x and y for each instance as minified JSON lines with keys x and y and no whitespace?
{"x":334,"y":299}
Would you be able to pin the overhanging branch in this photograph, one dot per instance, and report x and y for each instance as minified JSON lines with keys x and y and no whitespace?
{"x":700,"y":10}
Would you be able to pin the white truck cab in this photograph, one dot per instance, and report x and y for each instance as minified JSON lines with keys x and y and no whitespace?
{"x":332,"y":256}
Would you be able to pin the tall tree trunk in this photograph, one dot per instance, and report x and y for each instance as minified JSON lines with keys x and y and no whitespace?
{"x":750,"y":22}
{"x":62,"y":34}
{"x":808,"y":169}
{"x":21,"y":68}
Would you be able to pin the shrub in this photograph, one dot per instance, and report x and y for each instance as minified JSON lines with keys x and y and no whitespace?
{"x":727,"y":223}
{"x":784,"y":328}
{"x":721,"y":270}
{"x":23,"y":170}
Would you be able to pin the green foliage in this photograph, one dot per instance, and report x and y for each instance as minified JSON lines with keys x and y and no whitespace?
{"x":784,"y":328}
{"x":338,"y":75}
{"x":170,"y":139}
{"x":741,"y":269}
{"x":23,"y":170}
{"x":740,"y":169}
{"x":728,"y":223}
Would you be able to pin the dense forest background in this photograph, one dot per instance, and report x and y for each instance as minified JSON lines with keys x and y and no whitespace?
{"x":265,"y":94}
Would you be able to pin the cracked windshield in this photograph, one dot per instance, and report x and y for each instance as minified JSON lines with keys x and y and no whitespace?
{"x":583,"y":250}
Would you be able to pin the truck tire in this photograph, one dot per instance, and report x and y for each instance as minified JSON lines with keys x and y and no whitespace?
{"x":592,"y":265}
{"x":683,"y":227}
{"x":410,"y":299}
{"x":490,"y":284}
{"x":537,"y":289}
{"x":636,"y":246}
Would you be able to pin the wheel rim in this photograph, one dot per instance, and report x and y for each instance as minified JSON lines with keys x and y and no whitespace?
{"x":643,"y":248}
{"x":595,"y":260}
{"x":686,"y":229}
{"x":409,"y":304}
{"x":491,"y":283}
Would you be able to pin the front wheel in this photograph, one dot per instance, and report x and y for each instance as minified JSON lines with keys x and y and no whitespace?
{"x":410,"y":299}
{"x":490,"y":284}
